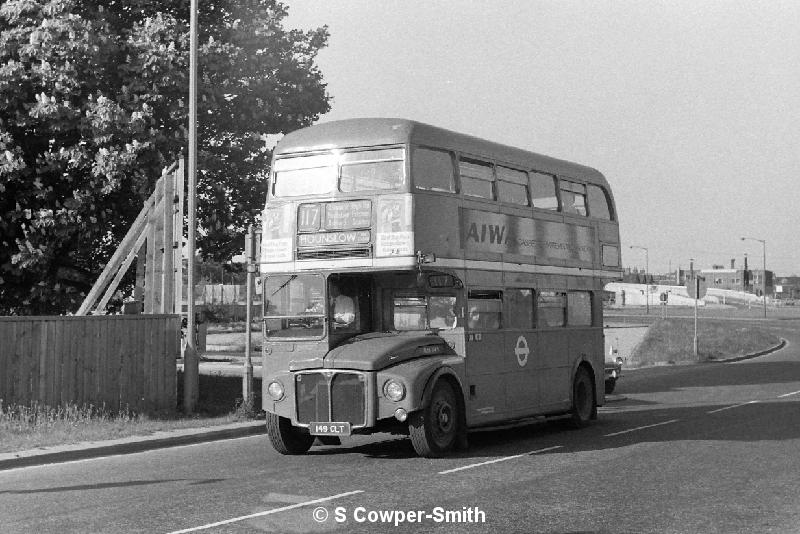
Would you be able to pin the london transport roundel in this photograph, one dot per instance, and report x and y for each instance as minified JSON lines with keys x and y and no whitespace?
{"x":522,"y":351}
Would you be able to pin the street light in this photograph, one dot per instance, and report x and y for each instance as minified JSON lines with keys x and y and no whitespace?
{"x":693,"y":283}
{"x":646,"y":272}
{"x":763,"y":268}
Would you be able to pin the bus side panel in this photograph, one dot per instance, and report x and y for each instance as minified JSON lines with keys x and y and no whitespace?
{"x":486,"y":379}
{"x":436,"y":224}
{"x":522,"y":389}
{"x":555,"y":369}
{"x":584,"y":344}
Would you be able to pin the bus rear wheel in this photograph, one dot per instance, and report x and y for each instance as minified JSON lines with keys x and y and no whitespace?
{"x":434,"y":429}
{"x":583,"y":399}
{"x":285,"y":438}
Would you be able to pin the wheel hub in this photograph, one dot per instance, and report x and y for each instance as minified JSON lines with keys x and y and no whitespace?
{"x":444,"y":416}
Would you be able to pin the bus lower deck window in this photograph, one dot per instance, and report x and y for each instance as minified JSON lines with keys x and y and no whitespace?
{"x":484,"y":310}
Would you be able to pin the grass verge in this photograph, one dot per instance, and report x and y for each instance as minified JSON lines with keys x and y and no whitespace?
{"x":35,"y":425}
{"x":32,"y":426}
{"x":671,"y":341}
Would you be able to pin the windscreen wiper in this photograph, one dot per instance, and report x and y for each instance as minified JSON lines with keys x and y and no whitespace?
{"x":284,"y":284}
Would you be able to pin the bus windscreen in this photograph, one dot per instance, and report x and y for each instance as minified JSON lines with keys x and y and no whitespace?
{"x":294,"y":306}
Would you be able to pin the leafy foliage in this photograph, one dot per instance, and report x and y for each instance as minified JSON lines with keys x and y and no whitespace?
{"x":94,"y":104}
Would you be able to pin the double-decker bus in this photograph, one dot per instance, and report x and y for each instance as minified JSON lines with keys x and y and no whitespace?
{"x":421,"y":281}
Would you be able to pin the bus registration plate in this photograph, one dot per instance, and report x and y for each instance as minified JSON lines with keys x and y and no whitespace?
{"x":329,"y":429}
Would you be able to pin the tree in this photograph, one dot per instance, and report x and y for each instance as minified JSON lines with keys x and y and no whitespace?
{"x":93,"y":104}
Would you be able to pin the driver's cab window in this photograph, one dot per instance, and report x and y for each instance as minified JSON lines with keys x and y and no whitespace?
{"x":348,"y":302}
{"x":419,"y":312}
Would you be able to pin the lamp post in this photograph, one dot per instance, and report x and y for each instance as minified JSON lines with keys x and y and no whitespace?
{"x":763,"y":269}
{"x":696,"y":295}
{"x":646,"y":272}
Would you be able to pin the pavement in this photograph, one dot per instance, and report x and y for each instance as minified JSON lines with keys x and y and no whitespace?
{"x":226,"y":364}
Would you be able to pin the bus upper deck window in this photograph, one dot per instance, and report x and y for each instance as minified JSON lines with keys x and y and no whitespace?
{"x":573,"y":197}
{"x":477,"y":178}
{"x":368,"y":170}
{"x":543,"y":191}
{"x":433,"y":170}
{"x":512,"y":186}
{"x":304,"y":175}
{"x":599,"y":205}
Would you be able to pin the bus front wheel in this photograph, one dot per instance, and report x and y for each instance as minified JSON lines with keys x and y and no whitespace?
{"x":285,"y":438}
{"x":434,"y":429}
{"x":583,"y":399}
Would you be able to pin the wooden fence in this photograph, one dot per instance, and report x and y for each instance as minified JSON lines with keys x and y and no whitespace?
{"x":120,"y":361}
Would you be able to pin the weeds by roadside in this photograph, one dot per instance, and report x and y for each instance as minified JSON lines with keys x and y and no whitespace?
{"x":35,"y":425}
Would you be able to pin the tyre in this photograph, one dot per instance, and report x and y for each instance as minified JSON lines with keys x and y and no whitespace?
{"x":583,"y":401}
{"x":610,"y":383}
{"x":434,"y":429}
{"x":285,"y":438}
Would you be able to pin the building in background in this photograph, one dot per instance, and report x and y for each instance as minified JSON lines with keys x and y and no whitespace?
{"x":750,"y":281}
{"x":787,"y":288}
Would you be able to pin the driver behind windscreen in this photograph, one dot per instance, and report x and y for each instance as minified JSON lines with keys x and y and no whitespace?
{"x":343,"y":306}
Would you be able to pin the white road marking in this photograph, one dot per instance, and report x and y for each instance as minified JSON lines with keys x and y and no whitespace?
{"x":496,"y":460}
{"x":267,"y":512}
{"x":731,"y":407}
{"x":788,"y":394}
{"x":642,"y":427}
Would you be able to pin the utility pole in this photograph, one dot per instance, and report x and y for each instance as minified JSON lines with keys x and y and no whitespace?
{"x":191,"y":362}
{"x":646,"y":272}
{"x":763,"y":269}
{"x":694,"y":281}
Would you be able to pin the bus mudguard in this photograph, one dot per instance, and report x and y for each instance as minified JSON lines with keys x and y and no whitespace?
{"x":417,"y":376}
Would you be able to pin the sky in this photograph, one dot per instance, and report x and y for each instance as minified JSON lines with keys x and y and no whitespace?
{"x":691,"y":109}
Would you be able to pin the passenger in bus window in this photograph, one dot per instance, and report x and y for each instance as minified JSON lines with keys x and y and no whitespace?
{"x":474,"y":318}
{"x":480,"y":320}
{"x":344,"y":311}
{"x":442,"y":312}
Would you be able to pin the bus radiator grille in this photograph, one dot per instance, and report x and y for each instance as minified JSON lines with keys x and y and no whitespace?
{"x":339,"y":397}
{"x":347,"y":398}
{"x":363,"y":252}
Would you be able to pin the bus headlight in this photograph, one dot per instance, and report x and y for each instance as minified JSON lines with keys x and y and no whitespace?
{"x":394,"y":390}
{"x":275,"y":390}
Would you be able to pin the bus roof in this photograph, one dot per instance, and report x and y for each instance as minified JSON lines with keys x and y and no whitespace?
{"x":352,"y":133}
